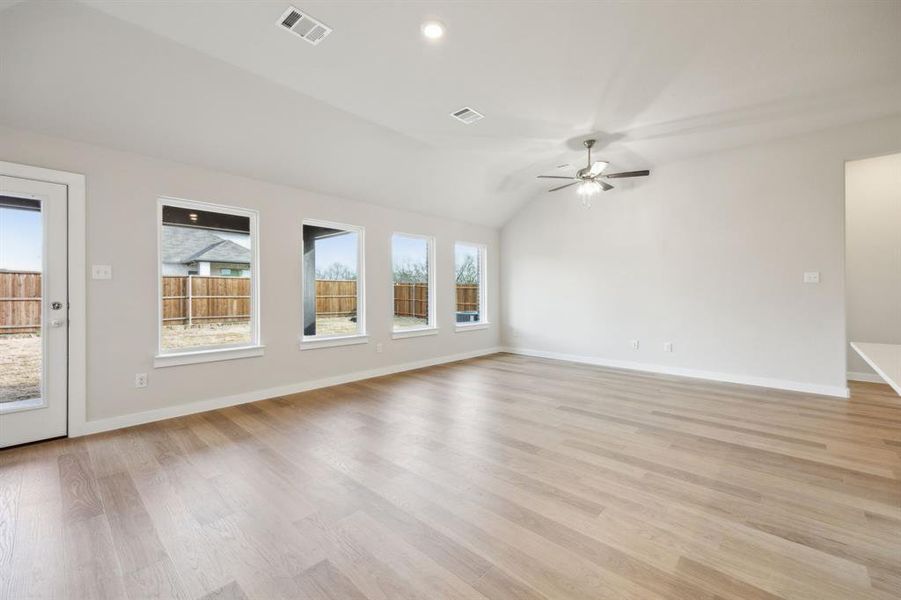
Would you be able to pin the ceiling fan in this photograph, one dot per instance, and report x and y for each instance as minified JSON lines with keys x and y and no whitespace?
{"x":592,"y":176}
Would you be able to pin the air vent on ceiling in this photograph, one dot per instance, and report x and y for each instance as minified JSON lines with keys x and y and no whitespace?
{"x":304,"y":26}
{"x":467,"y":115}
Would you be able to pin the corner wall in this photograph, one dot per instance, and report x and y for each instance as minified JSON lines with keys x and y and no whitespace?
{"x":122,"y":191}
{"x":706,"y":253}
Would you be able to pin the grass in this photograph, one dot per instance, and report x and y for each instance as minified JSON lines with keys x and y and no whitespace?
{"x":177,"y":337}
{"x":409,"y":322}
{"x":344,"y":326}
{"x":20,"y":367}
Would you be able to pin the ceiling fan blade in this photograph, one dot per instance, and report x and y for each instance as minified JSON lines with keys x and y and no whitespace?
{"x":606,"y":186}
{"x":628,"y":174}
{"x":598,"y":167}
{"x":563,"y":186}
{"x":554,"y":177}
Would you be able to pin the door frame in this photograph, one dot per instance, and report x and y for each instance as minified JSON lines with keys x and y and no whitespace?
{"x":76,"y":388}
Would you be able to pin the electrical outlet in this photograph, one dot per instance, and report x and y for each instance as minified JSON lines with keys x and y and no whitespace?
{"x":667,"y":346}
{"x":635,"y":344}
{"x":378,"y":348}
{"x":811,"y":277}
{"x":141,"y":380}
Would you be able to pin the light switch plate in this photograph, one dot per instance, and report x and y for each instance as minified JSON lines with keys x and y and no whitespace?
{"x":812,"y":277}
{"x":101,"y":272}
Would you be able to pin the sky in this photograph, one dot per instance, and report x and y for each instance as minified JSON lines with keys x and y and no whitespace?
{"x":461,"y":251}
{"x":20,"y":244}
{"x":408,"y":250}
{"x":20,"y":239}
{"x":337,"y":249}
{"x":343,"y":249}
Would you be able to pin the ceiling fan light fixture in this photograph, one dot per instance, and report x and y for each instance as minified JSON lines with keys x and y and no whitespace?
{"x":598,"y":167}
{"x":588,"y":188}
{"x":590,"y":178}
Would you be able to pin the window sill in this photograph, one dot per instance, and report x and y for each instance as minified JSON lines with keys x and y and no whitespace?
{"x":203,"y":356}
{"x":313,"y":343}
{"x":399,"y":335}
{"x":472,"y":327}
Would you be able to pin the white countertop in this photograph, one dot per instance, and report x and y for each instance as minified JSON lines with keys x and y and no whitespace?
{"x":885,"y":360}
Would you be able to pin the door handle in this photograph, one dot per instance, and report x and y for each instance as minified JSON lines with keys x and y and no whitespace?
{"x":56,"y":305}
{"x":56,"y":323}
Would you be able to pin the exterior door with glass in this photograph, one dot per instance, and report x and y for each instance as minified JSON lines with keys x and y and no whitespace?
{"x":33,"y":311}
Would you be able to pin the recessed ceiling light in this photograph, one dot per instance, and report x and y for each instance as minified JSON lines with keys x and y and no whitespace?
{"x":192,"y":216}
{"x":432,"y":30}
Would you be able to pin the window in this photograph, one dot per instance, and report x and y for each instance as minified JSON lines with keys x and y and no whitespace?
{"x":333,"y":299}
{"x":413,"y":262}
{"x":24,"y":275}
{"x":469,"y":268}
{"x":209,"y":293}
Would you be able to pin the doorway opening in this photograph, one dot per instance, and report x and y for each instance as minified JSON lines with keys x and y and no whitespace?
{"x":873,"y":269}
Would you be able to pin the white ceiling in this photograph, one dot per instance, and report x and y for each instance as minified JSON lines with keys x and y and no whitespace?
{"x":365,"y":114}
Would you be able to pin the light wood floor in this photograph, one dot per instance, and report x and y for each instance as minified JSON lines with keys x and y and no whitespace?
{"x":499,"y":477}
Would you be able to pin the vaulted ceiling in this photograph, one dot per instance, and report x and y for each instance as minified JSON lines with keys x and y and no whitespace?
{"x":364,"y":115}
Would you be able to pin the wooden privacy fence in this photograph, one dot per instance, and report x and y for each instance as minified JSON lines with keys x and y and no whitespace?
{"x":195,"y":299}
{"x":20,"y":302}
{"x":339,"y":298}
{"x":411,"y":300}
{"x":467,"y":297}
{"x":336,"y":298}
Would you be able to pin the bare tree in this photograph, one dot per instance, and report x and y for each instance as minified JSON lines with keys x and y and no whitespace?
{"x":337,"y":271}
{"x":411,"y":272}
{"x":468,"y":271}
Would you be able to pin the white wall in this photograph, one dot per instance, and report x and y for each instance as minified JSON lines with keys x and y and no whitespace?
{"x":873,"y":254}
{"x":707,"y":254}
{"x":122,"y":191}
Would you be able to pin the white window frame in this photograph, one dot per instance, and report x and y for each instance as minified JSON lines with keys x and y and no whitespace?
{"x":483,"y":322}
{"x":432,"y":327}
{"x":310,"y":342}
{"x":203,"y":354}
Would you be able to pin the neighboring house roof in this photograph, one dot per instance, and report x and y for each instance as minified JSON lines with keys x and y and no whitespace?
{"x":190,"y":244}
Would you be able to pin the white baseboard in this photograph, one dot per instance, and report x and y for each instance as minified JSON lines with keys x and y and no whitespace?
{"x":766,"y":382}
{"x":868,"y":377}
{"x":181,"y":410}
